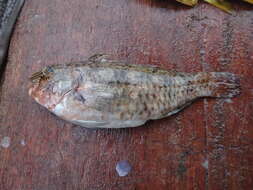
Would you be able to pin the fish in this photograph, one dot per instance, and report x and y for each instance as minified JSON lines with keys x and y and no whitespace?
{"x":103,"y":92}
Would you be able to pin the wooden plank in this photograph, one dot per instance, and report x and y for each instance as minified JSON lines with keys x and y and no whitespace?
{"x":206,"y":146}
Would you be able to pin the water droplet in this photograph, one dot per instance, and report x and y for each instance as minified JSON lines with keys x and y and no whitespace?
{"x":5,"y":142}
{"x":202,"y":52}
{"x":22,"y":142}
{"x":205,"y":164}
{"x":123,"y":168}
{"x":228,"y":100}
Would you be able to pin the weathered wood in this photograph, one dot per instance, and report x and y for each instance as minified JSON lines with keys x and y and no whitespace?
{"x":206,"y":146}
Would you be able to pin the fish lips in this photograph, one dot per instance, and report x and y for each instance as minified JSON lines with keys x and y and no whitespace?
{"x":42,"y":95}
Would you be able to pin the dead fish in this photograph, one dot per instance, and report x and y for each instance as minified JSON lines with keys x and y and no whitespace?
{"x":104,"y":93}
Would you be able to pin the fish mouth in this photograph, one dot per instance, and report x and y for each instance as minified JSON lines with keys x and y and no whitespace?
{"x":36,"y":92}
{"x":33,"y":88}
{"x":38,"y":88}
{"x":35,"y":79}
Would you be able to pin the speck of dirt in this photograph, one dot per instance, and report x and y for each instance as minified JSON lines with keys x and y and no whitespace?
{"x":205,"y":164}
{"x":5,"y":142}
{"x":181,"y":169}
{"x":228,"y":100}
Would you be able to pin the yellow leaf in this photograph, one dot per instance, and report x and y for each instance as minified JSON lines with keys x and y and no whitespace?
{"x":188,"y":2}
{"x":222,"y":4}
{"x":249,"y":1}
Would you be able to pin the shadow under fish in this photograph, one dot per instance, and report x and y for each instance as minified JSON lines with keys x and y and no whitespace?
{"x":9,"y":11}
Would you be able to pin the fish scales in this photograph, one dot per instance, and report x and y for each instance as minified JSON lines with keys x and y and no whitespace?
{"x":110,"y":94}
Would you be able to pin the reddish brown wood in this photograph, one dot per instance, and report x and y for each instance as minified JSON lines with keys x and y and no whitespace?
{"x":167,"y":154}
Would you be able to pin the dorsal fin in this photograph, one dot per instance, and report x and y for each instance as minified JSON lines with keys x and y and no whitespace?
{"x":99,"y":58}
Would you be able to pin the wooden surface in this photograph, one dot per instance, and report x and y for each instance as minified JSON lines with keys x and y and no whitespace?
{"x":207,"y":146}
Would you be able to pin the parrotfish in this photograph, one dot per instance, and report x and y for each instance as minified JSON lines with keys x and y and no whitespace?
{"x":107,"y":93}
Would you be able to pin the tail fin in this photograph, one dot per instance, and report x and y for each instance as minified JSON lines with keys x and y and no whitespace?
{"x":224,"y":85}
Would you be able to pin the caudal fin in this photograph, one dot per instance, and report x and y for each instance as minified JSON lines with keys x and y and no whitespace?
{"x":224,"y":85}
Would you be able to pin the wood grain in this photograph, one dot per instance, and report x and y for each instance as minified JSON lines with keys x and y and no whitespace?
{"x":206,"y":146}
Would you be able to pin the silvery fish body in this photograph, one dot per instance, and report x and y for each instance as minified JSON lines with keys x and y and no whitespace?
{"x":102,"y":93}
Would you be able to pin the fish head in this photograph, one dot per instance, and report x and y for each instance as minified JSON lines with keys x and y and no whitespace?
{"x":49,"y":85}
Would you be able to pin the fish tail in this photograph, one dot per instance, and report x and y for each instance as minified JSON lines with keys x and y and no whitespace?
{"x":223,"y":85}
